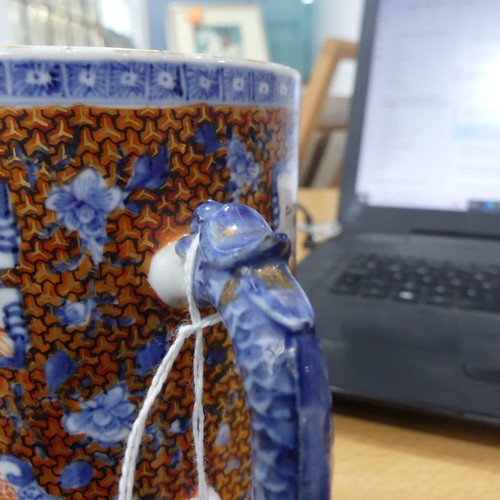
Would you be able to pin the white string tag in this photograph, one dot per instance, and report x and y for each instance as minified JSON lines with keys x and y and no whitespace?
{"x":126,"y":484}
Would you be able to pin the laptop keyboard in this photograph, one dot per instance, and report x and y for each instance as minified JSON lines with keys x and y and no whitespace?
{"x":421,"y":281}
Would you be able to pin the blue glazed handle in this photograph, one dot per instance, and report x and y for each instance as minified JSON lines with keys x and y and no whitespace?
{"x":241,"y":269}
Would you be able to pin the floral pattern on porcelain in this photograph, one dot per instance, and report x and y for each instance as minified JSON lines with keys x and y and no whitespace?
{"x":107,"y":418}
{"x":166,"y":81}
{"x":86,"y":79}
{"x":83,"y":206}
{"x":245,"y":171}
{"x":203,"y":83}
{"x":95,"y":80}
{"x":128,"y":79}
{"x":76,"y":475}
{"x":75,"y":313}
{"x":58,"y":368}
{"x":107,"y":159}
{"x":237,"y":85}
{"x":37,"y":79}
{"x":149,"y":171}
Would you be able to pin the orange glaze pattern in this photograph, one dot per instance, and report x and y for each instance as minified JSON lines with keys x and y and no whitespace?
{"x":43,"y":149}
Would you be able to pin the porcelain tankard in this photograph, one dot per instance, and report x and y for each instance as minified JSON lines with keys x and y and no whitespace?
{"x":112,"y":161}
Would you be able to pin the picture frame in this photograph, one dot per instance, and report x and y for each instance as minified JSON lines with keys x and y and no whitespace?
{"x":223,"y":30}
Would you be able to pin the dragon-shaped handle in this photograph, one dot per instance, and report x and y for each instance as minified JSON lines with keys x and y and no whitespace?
{"x":241,"y":269}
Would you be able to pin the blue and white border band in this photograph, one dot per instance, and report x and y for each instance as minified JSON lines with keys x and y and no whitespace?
{"x":126,"y":83}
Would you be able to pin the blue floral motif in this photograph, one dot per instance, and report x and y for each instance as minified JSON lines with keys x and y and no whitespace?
{"x":149,"y":172}
{"x":76,"y":475}
{"x":75,"y":313}
{"x":206,"y":136}
{"x":149,"y":355}
{"x":83,"y":206}
{"x":128,"y":79}
{"x":86,"y":79}
{"x":37,"y":79}
{"x":106,"y":418}
{"x":263,"y":87}
{"x":245,"y":171}
{"x":203,"y":82}
{"x":285,"y":89}
{"x":237,"y":85}
{"x":165,"y":81}
{"x":58,"y":368}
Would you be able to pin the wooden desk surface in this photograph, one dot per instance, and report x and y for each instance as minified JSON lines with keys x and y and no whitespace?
{"x":387,"y":454}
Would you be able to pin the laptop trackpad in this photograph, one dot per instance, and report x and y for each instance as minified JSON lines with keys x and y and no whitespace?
{"x":480,"y":348}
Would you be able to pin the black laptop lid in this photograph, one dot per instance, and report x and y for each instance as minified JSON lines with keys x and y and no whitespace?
{"x":423,"y":153}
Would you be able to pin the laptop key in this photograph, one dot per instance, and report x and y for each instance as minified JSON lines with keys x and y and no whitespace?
{"x":428,"y":280}
{"x":439,"y":300}
{"x":374,"y":290}
{"x":344,"y":288}
{"x":406,"y":295}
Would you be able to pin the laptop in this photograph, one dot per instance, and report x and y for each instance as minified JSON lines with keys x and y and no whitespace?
{"x":407,"y":296}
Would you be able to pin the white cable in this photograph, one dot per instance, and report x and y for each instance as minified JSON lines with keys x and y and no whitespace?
{"x":126,"y":484}
{"x":320,"y":231}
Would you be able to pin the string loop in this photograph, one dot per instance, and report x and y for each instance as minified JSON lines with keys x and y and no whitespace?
{"x":126,"y":484}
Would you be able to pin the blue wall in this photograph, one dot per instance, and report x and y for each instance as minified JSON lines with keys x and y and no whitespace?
{"x":289,"y":32}
{"x":288,"y":27}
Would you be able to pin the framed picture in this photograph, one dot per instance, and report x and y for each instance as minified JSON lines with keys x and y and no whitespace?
{"x":224,"y":30}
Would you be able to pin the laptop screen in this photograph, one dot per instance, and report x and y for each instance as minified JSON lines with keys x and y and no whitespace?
{"x":431,"y":132}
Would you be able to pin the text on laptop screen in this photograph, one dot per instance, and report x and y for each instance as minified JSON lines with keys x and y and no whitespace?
{"x":431,"y":133}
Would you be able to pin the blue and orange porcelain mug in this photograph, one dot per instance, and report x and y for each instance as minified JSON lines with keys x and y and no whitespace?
{"x":106,"y":158}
